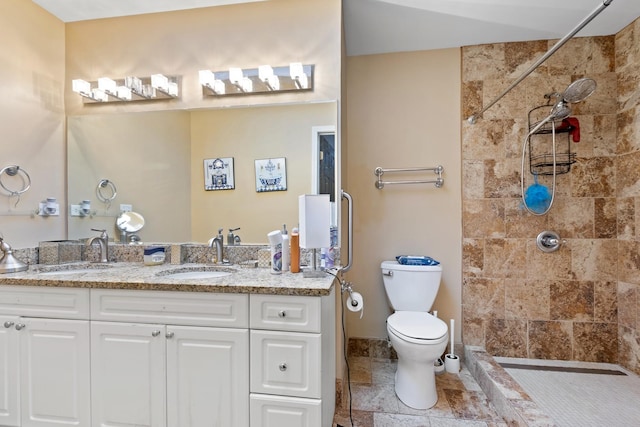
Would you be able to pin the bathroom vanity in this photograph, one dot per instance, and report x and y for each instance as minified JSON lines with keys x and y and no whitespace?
{"x":136,"y":345}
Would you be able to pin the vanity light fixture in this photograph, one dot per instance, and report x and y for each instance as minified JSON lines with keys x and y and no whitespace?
{"x":239,"y":80}
{"x":130,"y":88}
{"x":266,"y":75}
{"x":209,"y":80}
{"x":296,"y":70}
{"x":81,"y":87}
{"x":264,"y":79}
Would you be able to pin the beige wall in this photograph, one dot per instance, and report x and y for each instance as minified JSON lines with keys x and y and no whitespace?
{"x":249,"y":134}
{"x":403,"y":111}
{"x":32,"y":119}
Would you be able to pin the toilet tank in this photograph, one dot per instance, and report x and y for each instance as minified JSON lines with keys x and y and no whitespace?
{"x":411,"y":287}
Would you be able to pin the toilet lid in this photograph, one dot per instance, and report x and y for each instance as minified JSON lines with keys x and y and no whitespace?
{"x":417,"y":324}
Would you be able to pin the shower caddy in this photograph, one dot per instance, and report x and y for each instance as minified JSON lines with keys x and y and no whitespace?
{"x":540,"y":148}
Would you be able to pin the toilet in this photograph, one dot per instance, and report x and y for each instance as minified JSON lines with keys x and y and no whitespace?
{"x":418,"y":337}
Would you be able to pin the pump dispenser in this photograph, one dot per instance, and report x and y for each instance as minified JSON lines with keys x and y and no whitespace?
{"x":286,"y":251}
{"x":295,"y":251}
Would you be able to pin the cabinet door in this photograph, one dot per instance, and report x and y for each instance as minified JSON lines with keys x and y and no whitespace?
{"x":207,"y":377}
{"x":9,"y":390}
{"x":128,"y":382}
{"x":54,"y":372}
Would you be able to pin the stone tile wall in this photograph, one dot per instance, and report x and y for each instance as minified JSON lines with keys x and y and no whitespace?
{"x":580,"y":302}
{"x":627,"y":60}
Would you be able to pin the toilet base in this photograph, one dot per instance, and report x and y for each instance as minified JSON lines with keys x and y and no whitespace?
{"x":415,"y":384}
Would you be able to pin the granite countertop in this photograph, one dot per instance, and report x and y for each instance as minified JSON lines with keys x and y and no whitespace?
{"x":136,"y":275}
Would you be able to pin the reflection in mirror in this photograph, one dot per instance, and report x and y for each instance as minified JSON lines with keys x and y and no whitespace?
{"x":156,"y":158}
{"x":127,"y":223}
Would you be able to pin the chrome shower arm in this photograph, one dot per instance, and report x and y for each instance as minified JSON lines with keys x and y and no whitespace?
{"x":474,"y":117}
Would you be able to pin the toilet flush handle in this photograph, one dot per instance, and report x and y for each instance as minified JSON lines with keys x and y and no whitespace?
{"x":387,"y":273}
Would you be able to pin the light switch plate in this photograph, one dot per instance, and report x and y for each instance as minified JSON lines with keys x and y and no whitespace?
{"x":75,"y":210}
{"x":52,"y":212}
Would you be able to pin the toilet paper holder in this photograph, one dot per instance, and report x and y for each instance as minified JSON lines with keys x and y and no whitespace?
{"x":348,"y":287}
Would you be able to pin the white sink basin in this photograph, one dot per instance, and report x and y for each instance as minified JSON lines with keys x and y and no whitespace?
{"x":198,"y":274}
{"x":65,"y":272}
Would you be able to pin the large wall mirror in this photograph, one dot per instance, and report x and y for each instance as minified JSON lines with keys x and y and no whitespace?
{"x":156,"y":163}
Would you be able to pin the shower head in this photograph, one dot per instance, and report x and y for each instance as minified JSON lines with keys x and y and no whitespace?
{"x":579,"y":90}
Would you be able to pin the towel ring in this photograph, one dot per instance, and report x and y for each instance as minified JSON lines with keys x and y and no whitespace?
{"x":13,"y":170}
{"x":104,"y":183}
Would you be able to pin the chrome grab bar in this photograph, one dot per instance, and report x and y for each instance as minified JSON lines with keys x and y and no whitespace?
{"x":347,"y":196}
{"x":439,"y":181}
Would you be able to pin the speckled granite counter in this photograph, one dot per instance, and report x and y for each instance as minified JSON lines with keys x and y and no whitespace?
{"x":141,"y":277}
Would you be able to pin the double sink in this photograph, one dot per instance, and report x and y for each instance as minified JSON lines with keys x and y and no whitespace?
{"x":192,"y":272}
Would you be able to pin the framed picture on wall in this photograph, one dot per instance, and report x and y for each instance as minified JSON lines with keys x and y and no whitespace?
{"x":218,"y":174}
{"x":271,"y":175}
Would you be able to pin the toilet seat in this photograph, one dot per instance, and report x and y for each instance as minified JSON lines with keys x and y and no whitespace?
{"x":417,"y":326}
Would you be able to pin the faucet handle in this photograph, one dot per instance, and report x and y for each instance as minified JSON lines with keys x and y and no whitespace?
{"x":103,"y":233}
{"x":231,"y":230}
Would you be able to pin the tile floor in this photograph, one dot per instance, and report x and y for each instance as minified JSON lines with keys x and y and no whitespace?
{"x":461,"y":402}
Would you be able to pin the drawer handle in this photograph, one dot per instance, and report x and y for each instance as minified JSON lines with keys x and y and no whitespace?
{"x":169,"y":335}
{"x":8,"y":324}
{"x":155,"y":333}
{"x":282,"y":314}
{"x":20,"y":326}
{"x":283,"y":367}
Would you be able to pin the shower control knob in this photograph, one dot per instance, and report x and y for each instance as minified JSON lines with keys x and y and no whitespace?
{"x":549,"y":241}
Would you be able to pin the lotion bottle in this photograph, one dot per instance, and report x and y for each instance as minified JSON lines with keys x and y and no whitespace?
{"x":275,"y":241}
{"x":286,"y":251}
{"x":295,"y":251}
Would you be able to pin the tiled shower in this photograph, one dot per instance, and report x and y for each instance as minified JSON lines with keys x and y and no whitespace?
{"x":580,"y":302}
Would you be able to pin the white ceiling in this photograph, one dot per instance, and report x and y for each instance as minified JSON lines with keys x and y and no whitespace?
{"x":383,"y":26}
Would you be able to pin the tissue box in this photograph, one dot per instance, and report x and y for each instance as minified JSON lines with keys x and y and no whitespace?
{"x":154,"y":255}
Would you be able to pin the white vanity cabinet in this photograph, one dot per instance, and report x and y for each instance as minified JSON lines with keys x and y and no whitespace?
{"x":176,"y":359}
{"x":292,"y":360}
{"x":44,"y":357}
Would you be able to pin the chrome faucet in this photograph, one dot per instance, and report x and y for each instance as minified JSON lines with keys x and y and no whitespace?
{"x":218,"y":242}
{"x":103,"y":241}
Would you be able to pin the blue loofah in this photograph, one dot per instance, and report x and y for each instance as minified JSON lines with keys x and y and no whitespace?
{"x":537,"y":197}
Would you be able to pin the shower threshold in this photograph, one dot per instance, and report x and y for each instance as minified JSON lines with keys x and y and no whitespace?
{"x":539,"y":393}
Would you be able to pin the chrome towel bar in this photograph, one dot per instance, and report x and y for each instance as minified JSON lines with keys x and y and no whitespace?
{"x":439,"y":181}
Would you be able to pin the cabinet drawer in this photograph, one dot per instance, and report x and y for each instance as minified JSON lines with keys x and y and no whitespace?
{"x":286,"y":313}
{"x":37,"y":301}
{"x":286,"y":363}
{"x":175,"y":308}
{"x":279,"y":411}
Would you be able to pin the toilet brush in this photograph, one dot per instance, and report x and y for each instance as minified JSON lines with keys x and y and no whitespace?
{"x":451,"y":361}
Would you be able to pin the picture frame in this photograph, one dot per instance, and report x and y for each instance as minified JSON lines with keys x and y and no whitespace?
{"x":219,"y":174}
{"x":271,"y":174}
